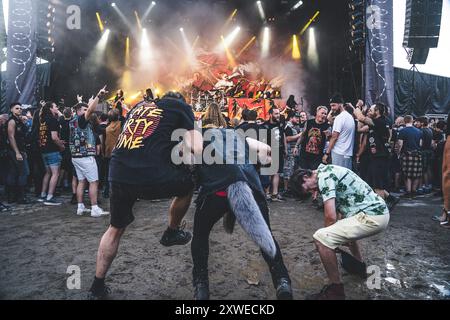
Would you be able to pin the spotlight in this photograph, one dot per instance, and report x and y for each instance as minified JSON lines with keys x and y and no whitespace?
{"x":261,"y":10}
{"x":230,"y":38}
{"x":113,"y":4}
{"x":297,"y":5}
{"x":295,"y":48}
{"x":181,"y":30}
{"x":266,"y":42}
{"x":149,"y":9}
{"x":312,"y":48}
{"x":99,"y":21}
{"x":122,"y":16}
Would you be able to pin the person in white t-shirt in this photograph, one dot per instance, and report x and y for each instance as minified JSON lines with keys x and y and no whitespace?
{"x":343,"y":138}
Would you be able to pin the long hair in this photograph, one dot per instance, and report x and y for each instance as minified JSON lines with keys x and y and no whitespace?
{"x":45,"y":111}
{"x":213,"y":117}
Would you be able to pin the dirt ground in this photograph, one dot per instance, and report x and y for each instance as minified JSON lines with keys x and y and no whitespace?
{"x":38,"y":244}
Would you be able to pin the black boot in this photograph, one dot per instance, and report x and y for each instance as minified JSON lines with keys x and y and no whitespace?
{"x":284,"y":289}
{"x":201,"y":285}
{"x":281,"y":281}
{"x":11,"y":194}
{"x":21,"y":198}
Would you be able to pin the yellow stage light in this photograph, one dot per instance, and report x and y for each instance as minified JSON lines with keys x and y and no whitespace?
{"x":295,"y":48}
{"x":100,"y":23}
{"x":246,"y":46}
{"x":309,"y":22}
{"x":127,"y":52}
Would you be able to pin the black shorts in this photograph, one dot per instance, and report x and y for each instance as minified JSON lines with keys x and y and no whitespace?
{"x":378,"y":172}
{"x":123,"y":196}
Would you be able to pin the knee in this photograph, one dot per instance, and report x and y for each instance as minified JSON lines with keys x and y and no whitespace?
{"x":115,"y":233}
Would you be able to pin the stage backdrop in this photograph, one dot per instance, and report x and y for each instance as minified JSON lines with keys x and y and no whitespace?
{"x":379,"y":62}
{"x":21,"y":44}
{"x":420,"y":93}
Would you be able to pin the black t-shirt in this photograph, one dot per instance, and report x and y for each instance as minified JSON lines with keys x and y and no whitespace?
{"x":46,"y":143}
{"x":238,"y":167}
{"x":378,"y":138}
{"x":277,"y":130}
{"x":314,"y":138}
{"x":427,"y":137}
{"x":20,"y":133}
{"x":246,"y":127}
{"x":142,"y":154}
{"x":65,"y":130}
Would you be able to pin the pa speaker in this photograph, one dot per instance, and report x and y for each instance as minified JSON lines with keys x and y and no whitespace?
{"x":422,"y":23}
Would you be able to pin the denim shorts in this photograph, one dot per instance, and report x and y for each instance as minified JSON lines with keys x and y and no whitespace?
{"x":52,"y":159}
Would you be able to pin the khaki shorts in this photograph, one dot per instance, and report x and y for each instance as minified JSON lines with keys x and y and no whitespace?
{"x":350,"y":229}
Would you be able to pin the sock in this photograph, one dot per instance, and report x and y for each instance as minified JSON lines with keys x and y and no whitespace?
{"x":81,"y":206}
{"x":43,"y":194}
{"x":49,"y":197}
{"x":98,"y":284}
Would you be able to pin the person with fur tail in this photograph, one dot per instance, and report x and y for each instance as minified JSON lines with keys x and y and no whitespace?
{"x":234,"y":191}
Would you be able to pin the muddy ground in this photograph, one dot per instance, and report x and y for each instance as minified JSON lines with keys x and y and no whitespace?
{"x":37,"y":244}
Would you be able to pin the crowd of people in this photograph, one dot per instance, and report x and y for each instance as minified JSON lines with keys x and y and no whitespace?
{"x":352,"y":161}
{"x":57,"y":150}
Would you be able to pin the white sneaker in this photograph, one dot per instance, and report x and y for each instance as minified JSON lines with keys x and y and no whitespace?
{"x":98,"y":212}
{"x":82,"y":211}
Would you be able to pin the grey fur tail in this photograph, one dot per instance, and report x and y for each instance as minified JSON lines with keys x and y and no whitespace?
{"x":246,"y":210}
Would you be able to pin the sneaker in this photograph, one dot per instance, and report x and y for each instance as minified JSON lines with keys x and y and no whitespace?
{"x":268,"y":198}
{"x":42,"y":199}
{"x":329,"y":292}
{"x":421,"y":191}
{"x":98,"y":212}
{"x":284,"y":290}
{"x":277,"y":198}
{"x":4,"y":208}
{"x":176,"y":237}
{"x":101,"y":295}
{"x":391,"y":202}
{"x":52,"y":202}
{"x":81,"y":211}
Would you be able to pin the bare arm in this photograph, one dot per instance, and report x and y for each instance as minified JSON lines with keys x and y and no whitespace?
{"x":330,"y":212}
{"x":262,"y":150}
{"x":293,"y":138}
{"x":12,"y":140}
{"x":193,"y":144}
{"x":361,"y":118}
{"x":399,"y":146}
{"x":57,"y":140}
{"x":93,"y":103}
{"x":333,"y":140}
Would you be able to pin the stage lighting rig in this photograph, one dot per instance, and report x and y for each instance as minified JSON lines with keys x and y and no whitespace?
{"x":357,"y":25}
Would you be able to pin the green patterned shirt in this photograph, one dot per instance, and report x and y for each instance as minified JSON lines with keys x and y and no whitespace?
{"x":352,"y":194}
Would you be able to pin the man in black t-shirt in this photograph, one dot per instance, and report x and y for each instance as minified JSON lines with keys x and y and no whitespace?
{"x":50,"y":145}
{"x":378,"y":150}
{"x":276,"y":139}
{"x":141,"y":167}
{"x":427,"y":154}
{"x":313,"y":140}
